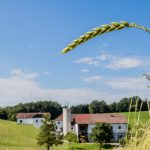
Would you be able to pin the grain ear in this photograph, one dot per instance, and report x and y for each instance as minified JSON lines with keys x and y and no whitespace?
{"x":101,"y":30}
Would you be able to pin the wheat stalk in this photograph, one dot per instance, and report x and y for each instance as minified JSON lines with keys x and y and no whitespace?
{"x":101,"y":30}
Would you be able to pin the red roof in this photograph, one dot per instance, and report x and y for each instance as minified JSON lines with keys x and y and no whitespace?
{"x":95,"y":118}
{"x":30,"y":115}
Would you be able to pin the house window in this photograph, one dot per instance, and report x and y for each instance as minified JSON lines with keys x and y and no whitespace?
{"x":20,"y":121}
{"x":36,"y":121}
{"x":119,"y":127}
{"x":58,"y":122}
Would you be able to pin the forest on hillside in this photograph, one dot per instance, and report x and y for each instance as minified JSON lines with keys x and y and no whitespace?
{"x":96,"y":106}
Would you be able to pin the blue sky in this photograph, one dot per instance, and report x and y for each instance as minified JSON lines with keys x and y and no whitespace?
{"x":110,"y":67}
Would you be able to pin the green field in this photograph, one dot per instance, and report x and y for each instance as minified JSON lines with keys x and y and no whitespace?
{"x":23,"y":137}
{"x":144,"y":117}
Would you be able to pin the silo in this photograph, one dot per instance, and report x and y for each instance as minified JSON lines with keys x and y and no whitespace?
{"x":66,"y":120}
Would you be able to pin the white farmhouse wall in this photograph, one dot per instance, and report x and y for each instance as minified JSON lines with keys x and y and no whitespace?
{"x":76,"y":129}
{"x":25,"y":121}
{"x":90,"y":127}
{"x":116,"y":127}
{"x":38,"y":122}
{"x":59,"y":125}
{"x":119,"y":130}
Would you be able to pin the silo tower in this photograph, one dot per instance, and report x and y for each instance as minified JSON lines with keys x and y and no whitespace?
{"x":66,"y":120}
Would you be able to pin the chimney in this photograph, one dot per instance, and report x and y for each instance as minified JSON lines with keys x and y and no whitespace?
{"x":66,"y":120}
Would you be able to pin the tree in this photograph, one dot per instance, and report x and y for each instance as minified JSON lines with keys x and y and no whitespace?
{"x":3,"y":114}
{"x":113,"y":107}
{"x":80,"y":109}
{"x":71,"y":137}
{"x":98,"y":107}
{"x":48,"y":135}
{"x":102,"y":133}
{"x":124,"y":104}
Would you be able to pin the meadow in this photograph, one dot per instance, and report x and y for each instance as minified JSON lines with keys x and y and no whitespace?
{"x":133,"y":117}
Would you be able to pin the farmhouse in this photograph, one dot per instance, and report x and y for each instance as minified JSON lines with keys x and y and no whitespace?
{"x":82,"y":124}
{"x":31,"y":118}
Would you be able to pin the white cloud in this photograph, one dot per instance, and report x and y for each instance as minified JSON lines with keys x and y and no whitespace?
{"x":125,"y":63}
{"x":88,"y":61}
{"x":119,"y":83}
{"x":128,"y":83}
{"x":21,"y":74}
{"x":17,"y":72}
{"x":14,"y":90}
{"x":31,"y":75}
{"x":115,"y":62}
{"x":93,"y":79}
{"x":85,"y":70}
{"x":104,"y":56}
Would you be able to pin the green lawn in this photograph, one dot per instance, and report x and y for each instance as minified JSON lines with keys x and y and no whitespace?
{"x":144,"y":117}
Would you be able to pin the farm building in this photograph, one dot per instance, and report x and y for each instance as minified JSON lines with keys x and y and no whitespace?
{"x":82,"y":124}
{"x":31,"y":118}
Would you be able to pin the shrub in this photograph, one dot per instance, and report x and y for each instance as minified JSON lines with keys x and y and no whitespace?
{"x":71,"y":137}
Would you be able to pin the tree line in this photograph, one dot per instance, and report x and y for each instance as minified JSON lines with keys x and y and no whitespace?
{"x":96,"y":106}
{"x":100,"y":106}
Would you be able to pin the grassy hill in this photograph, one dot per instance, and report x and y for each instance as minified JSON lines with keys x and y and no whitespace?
{"x":17,"y":137}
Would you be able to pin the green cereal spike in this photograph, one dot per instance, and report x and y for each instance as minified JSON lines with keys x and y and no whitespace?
{"x":101,"y":30}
